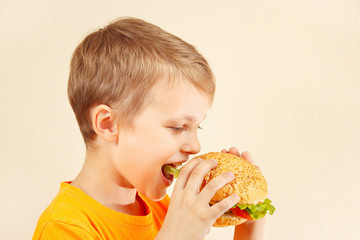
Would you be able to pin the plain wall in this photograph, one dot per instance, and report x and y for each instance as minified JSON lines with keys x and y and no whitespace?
{"x":288,"y":83}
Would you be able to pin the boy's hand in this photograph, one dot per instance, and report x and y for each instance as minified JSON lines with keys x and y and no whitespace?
{"x":250,"y":229}
{"x":245,"y":155}
{"x":189,"y":215}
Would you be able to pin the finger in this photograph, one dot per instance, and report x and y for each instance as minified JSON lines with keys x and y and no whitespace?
{"x":234,"y":151}
{"x":198,"y":173}
{"x":224,"y":205}
{"x":208,"y":192}
{"x":224,"y":151}
{"x":185,"y":173}
{"x":247,"y":156}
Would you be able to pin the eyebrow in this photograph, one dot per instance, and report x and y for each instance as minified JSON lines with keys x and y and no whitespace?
{"x":188,"y":118}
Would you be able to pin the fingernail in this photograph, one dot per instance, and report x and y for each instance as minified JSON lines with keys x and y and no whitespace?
{"x":230,"y":175}
{"x":236,"y":197}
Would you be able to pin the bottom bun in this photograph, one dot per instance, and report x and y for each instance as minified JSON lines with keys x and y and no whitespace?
{"x":228,"y":219}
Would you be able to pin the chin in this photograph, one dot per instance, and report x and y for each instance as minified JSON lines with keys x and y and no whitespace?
{"x":158,"y":196}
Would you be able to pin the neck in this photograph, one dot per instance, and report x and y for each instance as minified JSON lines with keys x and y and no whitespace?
{"x":100,"y":180}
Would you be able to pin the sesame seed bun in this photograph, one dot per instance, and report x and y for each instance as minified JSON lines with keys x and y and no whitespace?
{"x":249,"y":184}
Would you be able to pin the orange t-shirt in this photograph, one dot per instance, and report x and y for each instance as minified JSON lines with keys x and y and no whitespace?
{"x":75,"y":215}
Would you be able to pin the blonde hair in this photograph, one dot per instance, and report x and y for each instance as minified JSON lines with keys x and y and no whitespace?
{"x":119,"y":64}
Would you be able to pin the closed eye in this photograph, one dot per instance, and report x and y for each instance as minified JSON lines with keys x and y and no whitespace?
{"x":181,"y":129}
{"x":178,"y":129}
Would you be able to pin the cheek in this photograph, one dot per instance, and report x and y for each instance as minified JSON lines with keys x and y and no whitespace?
{"x":163,"y":146}
{"x":149,"y":145}
{"x":161,"y":138}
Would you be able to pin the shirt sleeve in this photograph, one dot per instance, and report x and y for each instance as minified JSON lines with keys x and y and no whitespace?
{"x":60,"y":230}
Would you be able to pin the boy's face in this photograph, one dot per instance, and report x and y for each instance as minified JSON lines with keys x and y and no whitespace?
{"x":164,"y":133}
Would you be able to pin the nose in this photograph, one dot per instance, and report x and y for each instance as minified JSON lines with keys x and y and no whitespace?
{"x":191,"y":144}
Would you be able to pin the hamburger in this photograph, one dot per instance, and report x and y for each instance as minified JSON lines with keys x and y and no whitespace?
{"x":249,"y":183}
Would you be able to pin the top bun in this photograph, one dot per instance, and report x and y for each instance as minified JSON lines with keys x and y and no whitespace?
{"x":249,"y":183}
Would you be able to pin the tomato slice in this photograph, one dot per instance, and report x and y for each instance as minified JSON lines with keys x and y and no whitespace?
{"x":241,"y":213}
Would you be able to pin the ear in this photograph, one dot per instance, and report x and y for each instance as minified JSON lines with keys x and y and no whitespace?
{"x":102,"y":118}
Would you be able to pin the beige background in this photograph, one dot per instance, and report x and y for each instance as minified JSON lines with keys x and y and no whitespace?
{"x":288,"y":81}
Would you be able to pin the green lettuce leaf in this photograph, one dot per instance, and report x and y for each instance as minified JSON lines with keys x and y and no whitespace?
{"x":171,"y":170}
{"x":259,"y":210}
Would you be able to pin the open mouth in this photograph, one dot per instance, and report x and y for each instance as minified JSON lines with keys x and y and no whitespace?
{"x":171,"y":171}
{"x":167,"y":175}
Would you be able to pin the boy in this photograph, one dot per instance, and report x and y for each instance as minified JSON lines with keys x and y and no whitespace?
{"x":139,"y":95}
